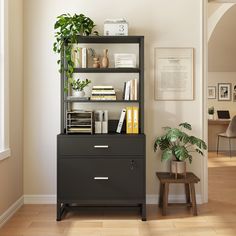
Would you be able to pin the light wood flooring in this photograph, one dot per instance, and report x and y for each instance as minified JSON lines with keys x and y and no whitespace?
{"x":218,"y":217}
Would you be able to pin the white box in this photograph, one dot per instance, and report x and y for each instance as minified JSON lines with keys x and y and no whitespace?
{"x":113,"y":28}
{"x":98,"y":127}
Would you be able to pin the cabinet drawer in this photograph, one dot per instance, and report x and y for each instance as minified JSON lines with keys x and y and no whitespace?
{"x":81,"y":145}
{"x":100,"y":179}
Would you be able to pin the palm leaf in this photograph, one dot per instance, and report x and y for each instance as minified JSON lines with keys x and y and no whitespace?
{"x":166,"y":155}
{"x":185,"y":125}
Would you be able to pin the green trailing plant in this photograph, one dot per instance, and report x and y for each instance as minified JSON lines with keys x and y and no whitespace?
{"x":211,"y":110}
{"x":67,"y":29}
{"x":178,"y":144}
{"x":79,"y":85}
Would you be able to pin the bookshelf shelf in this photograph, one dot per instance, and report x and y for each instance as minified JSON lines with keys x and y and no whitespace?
{"x":101,"y":101}
{"x":106,"y":70}
{"x":84,"y":159}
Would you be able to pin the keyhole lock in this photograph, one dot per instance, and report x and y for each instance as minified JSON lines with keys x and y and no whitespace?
{"x":132,"y":165}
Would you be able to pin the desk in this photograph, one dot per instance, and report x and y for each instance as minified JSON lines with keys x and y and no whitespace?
{"x":215,"y":127}
{"x":189,"y":181}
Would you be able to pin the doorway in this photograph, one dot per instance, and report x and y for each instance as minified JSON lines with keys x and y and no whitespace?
{"x":221,"y":96}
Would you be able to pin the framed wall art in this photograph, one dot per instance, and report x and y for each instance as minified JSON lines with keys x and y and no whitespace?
{"x":224,"y":91}
{"x":174,"y":71}
{"x":211,"y":92}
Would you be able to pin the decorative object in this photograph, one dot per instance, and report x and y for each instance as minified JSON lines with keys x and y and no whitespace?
{"x":173,"y":73}
{"x":78,"y":86}
{"x":96,"y":62}
{"x":68,"y":28}
{"x":211,"y":92}
{"x":105,"y":60}
{"x":211,"y":112}
{"x":179,"y":146}
{"x":224,"y":91}
{"x":115,"y":27}
{"x":125,"y":60}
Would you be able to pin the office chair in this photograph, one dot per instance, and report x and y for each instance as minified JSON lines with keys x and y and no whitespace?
{"x":229,"y":134}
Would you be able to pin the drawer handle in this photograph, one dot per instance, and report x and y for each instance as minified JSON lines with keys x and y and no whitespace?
{"x":101,"y":178}
{"x":101,"y":146}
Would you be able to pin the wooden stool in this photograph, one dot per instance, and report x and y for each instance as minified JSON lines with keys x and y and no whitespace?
{"x":166,"y":178}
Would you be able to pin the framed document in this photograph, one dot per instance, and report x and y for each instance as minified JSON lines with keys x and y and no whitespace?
{"x":173,"y":73}
{"x":211,"y":92}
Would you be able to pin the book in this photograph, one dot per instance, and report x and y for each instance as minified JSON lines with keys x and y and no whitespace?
{"x":129,"y":120}
{"x":103,"y":87}
{"x":103,"y":92}
{"x":121,"y":121}
{"x":132,"y":88}
{"x":135,"y":120}
{"x":127,"y":91}
{"x":103,"y":98}
{"x":135,"y":89}
{"x":84,"y":58}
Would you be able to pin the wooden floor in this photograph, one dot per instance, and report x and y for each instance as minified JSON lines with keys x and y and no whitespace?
{"x":218,"y":217}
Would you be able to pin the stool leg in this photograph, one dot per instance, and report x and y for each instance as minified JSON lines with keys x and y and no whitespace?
{"x":165,"y":198}
{"x":161,"y":194}
{"x":187,"y":194}
{"x":193,"y":196}
{"x":218,"y":139}
{"x":230,"y":147}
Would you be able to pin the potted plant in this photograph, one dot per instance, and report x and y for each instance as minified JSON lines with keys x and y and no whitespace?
{"x":78,"y":86}
{"x":178,"y":146}
{"x":211,"y":112}
{"x":67,"y":28}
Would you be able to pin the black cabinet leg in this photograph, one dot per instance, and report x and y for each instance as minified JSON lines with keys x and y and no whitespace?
{"x":144,"y":217}
{"x":59,"y":211}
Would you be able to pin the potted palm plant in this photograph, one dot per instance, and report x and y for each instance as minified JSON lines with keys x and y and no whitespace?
{"x":178,"y":146}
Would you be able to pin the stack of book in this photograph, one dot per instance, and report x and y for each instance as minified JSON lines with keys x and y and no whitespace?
{"x":103,"y":93}
{"x":125,"y":60}
{"x":131,"y":90}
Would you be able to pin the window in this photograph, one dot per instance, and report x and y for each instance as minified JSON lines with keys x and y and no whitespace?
{"x":4,"y":83}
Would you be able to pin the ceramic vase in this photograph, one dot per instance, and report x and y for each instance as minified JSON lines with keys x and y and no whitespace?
{"x":105,"y":60}
{"x":79,"y":94}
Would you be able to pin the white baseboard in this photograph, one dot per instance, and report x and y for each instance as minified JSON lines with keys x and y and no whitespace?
{"x":40,"y":199}
{"x":151,"y":199}
{"x":11,"y":211}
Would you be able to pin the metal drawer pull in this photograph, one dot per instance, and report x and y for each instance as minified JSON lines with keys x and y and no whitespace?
{"x":101,"y":178}
{"x":101,"y":146}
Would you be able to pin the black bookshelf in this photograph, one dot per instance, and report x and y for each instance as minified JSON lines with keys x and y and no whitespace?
{"x":93,"y":157}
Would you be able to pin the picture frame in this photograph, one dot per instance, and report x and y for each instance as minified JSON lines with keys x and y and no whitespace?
{"x":234,"y":97}
{"x":211,"y":92}
{"x":224,"y":91}
{"x":174,"y":74}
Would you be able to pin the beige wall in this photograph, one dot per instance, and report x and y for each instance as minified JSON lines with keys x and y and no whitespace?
{"x":11,"y":169}
{"x":164,"y":23}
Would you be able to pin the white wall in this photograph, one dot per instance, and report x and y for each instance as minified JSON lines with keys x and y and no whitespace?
{"x":164,"y":23}
{"x":222,"y":77}
{"x":11,"y":169}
